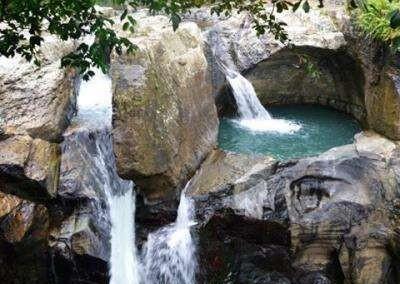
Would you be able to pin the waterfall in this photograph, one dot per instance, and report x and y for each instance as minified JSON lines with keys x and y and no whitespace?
{"x":249,"y":106}
{"x":94,"y":114}
{"x":169,"y":254}
{"x":124,"y":267}
{"x":252,"y":114}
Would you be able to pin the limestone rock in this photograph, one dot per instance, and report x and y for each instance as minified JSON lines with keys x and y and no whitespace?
{"x":37,"y":101}
{"x":381,"y":76}
{"x":284,"y":78}
{"x":29,"y":167}
{"x":222,"y":169}
{"x":383,"y":104}
{"x":235,"y":43}
{"x":339,"y":209}
{"x":165,"y":120}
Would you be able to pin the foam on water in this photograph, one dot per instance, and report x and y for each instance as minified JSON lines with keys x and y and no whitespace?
{"x":270,"y":125}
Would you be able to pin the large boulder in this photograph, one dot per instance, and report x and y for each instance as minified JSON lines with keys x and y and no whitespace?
{"x":222,"y":168}
{"x":165,"y":120}
{"x":29,"y":167}
{"x":325,"y":219}
{"x":37,"y":101}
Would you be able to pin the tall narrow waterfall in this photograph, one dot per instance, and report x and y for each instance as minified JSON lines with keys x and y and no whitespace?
{"x":94,"y":114}
{"x":252,"y":113}
{"x":169,"y":255}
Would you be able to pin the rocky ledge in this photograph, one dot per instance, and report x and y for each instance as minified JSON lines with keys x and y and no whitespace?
{"x":326,"y":219}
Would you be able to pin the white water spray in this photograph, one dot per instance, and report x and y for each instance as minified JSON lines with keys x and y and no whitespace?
{"x":169,"y":255}
{"x":252,"y":114}
{"x":95,"y":112}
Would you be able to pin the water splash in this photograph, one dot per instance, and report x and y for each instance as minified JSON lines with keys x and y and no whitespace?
{"x":169,"y":254}
{"x":253,"y":115}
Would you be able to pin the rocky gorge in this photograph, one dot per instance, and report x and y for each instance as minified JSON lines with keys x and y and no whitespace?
{"x":330,"y":218}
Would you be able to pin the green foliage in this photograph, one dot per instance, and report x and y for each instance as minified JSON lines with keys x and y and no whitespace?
{"x":24,"y":21}
{"x":308,"y":64}
{"x":380,"y":19}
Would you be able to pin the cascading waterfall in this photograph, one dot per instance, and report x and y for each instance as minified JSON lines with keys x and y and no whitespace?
{"x":169,"y":254}
{"x":252,"y":114}
{"x":94,"y":113}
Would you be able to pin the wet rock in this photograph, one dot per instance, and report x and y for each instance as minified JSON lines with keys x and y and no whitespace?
{"x":249,"y":245}
{"x":165,"y":120}
{"x":79,"y":241}
{"x":37,"y":101}
{"x":222,"y":169}
{"x":29,"y":167}
{"x":79,"y":246}
{"x":237,"y":249}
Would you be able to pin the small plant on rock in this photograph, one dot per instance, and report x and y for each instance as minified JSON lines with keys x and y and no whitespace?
{"x":380,"y":19}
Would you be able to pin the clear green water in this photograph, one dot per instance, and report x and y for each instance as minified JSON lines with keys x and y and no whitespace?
{"x":321,"y":129}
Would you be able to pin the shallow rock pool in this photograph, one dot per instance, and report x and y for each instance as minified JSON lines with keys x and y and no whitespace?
{"x":321,"y":128}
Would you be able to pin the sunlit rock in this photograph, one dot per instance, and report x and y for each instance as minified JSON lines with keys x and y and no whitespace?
{"x":37,"y":101}
{"x":165,"y":120}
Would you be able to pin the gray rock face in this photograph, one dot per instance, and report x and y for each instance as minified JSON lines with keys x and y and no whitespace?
{"x":338,"y":209}
{"x":285,"y":78}
{"x":165,"y":120}
{"x":233,"y":41}
{"x":226,"y":168}
{"x":37,"y":101}
{"x":87,"y":176}
{"x":381,"y":83}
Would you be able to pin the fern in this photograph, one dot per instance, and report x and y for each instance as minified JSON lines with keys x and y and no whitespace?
{"x":376,"y":18}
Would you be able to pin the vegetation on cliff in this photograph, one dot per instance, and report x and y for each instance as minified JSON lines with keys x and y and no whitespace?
{"x":380,"y":19}
{"x":23,"y":23}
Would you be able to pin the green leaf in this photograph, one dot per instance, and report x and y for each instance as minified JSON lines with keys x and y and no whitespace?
{"x":125,"y":26}
{"x":296,"y":6}
{"x":176,"y":20}
{"x":306,"y":7}
{"x":123,"y":16}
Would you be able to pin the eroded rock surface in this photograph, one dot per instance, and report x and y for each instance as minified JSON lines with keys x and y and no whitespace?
{"x":332,"y":216}
{"x":165,"y":120}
